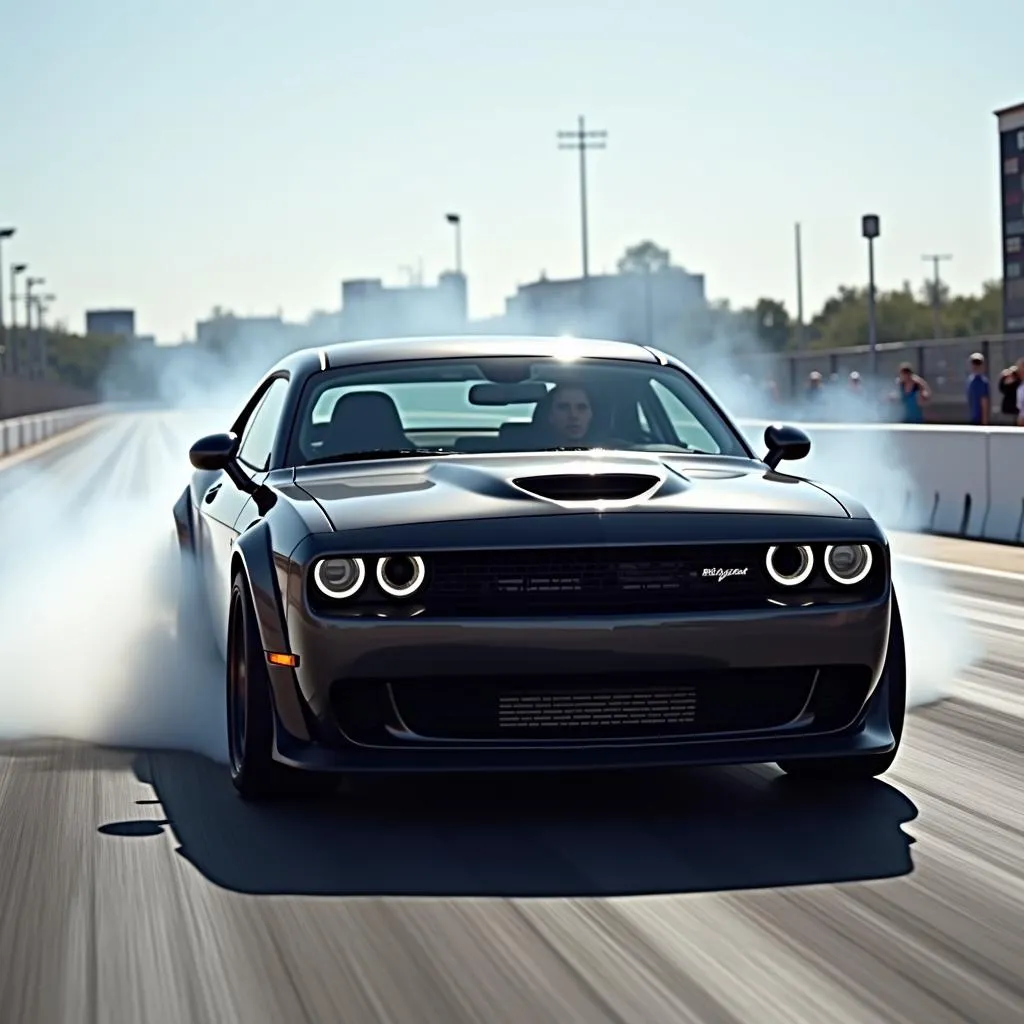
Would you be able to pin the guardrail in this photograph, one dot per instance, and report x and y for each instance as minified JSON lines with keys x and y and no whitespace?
{"x":24,"y":431}
{"x":956,"y":481}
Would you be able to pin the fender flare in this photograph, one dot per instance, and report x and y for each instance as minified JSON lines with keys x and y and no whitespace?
{"x":253,"y":554}
{"x":182,"y":512}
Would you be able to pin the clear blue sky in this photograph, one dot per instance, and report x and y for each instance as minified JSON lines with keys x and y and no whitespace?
{"x":175,"y":154}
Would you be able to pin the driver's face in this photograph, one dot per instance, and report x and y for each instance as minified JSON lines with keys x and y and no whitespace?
{"x":571,"y":413}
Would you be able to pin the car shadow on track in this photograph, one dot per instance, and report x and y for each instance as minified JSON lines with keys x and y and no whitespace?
{"x":515,"y":836}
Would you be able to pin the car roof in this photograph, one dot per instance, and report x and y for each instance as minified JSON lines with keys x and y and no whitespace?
{"x":386,"y":350}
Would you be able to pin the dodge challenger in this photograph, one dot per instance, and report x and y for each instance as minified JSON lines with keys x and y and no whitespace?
{"x":498,"y":554}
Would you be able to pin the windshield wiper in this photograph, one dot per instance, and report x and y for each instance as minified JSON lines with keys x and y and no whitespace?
{"x":379,"y":453}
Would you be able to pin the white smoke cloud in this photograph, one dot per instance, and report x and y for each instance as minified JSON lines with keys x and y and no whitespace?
{"x":89,"y":570}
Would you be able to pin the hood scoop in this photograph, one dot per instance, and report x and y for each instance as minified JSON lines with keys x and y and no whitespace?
{"x":589,"y":487}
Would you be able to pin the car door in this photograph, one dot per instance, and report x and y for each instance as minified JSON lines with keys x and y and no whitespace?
{"x":223,"y":502}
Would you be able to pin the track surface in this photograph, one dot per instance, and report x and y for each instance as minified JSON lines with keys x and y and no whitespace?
{"x":136,"y":888}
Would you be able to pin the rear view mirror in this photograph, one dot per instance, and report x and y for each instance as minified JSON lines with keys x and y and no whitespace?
{"x":213,"y":452}
{"x":507,"y":394}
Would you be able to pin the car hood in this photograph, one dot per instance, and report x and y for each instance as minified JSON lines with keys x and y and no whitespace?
{"x":472,"y":487}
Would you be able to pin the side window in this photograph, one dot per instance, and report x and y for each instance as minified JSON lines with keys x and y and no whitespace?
{"x":687,"y":427}
{"x":259,"y":433}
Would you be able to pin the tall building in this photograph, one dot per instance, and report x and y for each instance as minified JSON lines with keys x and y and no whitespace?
{"x":1011,"y":166}
{"x":370,"y":309}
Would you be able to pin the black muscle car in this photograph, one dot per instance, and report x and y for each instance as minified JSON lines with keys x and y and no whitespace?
{"x":485,"y":554}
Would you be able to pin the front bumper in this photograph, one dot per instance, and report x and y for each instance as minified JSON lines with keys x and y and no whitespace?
{"x":427,"y":695}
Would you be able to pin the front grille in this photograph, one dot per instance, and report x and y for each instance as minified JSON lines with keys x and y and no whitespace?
{"x":563,"y":708}
{"x":588,"y":580}
{"x":645,"y":708}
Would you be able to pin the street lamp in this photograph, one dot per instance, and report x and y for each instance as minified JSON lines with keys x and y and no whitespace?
{"x":5,"y":233}
{"x":871,"y":228}
{"x":456,"y":221}
{"x":30,"y":283}
{"x":16,"y":269}
{"x":42,"y":303}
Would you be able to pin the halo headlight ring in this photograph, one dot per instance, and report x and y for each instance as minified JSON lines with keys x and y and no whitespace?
{"x":860,"y":576}
{"x":419,"y":574}
{"x":336,"y":594}
{"x":805,"y":570}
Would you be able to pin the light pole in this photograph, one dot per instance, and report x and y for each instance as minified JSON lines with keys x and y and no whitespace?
{"x":799,"y":292}
{"x":30,"y":283}
{"x":16,"y":269}
{"x":42,"y":303}
{"x":456,"y":221}
{"x":871,"y":228}
{"x":5,"y":233}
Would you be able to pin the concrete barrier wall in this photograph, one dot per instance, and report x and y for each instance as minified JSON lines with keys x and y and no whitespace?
{"x":24,"y":396}
{"x":960,"y":481}
{"x":24,"y":431}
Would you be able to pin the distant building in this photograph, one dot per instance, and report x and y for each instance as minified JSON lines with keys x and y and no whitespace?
{"x":647,"y":308}
{"x":369,"y":309}
{"x":113,"y":322}
{"x":240,"y":335}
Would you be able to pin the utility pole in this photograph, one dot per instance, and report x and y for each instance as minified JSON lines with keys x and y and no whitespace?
{"x":582,"y":140}
{"x":799,"y":293}
{"x":935,"y":259}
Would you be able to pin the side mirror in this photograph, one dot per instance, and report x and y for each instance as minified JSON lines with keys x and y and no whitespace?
{"x":217,"y":452}
{"x":785,"y":442}
{"x":213,"y":452}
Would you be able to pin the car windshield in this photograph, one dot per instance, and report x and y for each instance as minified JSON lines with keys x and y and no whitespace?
{"x":490,"y":405}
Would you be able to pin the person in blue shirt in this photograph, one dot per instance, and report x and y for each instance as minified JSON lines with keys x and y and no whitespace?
{"x":978,"y":395}
{"x":912,"y":392}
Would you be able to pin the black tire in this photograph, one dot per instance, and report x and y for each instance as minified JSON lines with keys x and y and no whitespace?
{"x":855,"y":767}
{"x":250,"y":717}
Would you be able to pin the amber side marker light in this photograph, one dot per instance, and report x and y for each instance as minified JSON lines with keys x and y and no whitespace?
{"x":288,"y":660}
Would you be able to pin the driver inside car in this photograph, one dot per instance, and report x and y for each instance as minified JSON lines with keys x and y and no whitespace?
{"x":570,"y":413}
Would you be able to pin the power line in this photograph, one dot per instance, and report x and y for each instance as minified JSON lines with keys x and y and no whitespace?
{"x":582,"y":140}
{"x":935,"y":259}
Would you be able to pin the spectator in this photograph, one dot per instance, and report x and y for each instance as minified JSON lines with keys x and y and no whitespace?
{"x":1009,"y":382}
{"x":912,"y":392}
{"x":978,"y":398}
{"x":1020,"y":392}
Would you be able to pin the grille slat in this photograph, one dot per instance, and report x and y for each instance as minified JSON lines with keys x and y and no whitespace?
{"x":595,"y":707}
{"x":597,"y":580}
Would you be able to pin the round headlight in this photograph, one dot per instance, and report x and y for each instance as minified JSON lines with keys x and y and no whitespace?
{"x":339,"y":577}
{"x":789,"y":564}
{"x":848,"y":563}
{"x":401,"y":575}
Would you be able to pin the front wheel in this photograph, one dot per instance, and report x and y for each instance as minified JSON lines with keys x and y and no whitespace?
{"x":853,"y":767}
{"x":250,"y":715}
